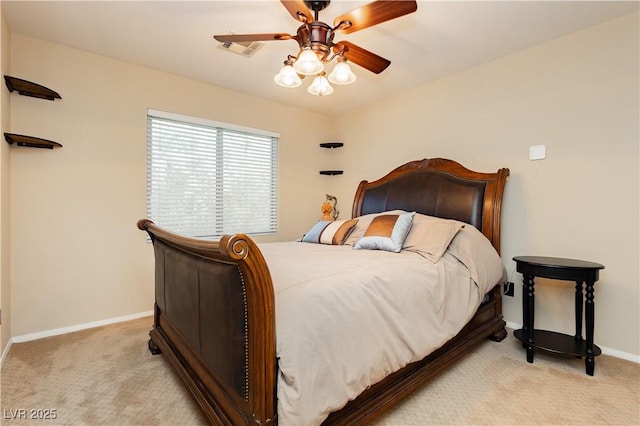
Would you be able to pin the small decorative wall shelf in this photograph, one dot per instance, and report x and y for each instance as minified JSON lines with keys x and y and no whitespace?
{"x":30,"y":141}
{"x":331,"y":145}
{"x":27,"y":88}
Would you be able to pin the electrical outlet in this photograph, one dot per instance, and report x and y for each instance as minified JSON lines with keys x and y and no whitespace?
{"x":508,"y":289}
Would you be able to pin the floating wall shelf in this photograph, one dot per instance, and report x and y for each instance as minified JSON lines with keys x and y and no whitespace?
{"x":331,"y":145}
{"x":30,"y":141}
{"x":28,"y":88}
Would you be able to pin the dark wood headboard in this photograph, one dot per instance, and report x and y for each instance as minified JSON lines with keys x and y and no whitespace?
{"x":438,"y":187}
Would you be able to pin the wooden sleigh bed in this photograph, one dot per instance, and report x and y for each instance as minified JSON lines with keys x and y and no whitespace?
{"x":215,"y":302}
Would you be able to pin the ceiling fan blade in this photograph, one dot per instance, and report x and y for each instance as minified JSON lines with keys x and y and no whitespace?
{"x":362,"y":57}
{"x":238,"y":38}
{"x":375,"y":13}
{"x":298,"y":9}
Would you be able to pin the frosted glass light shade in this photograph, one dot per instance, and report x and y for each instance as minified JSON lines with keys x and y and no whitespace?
{"x":320,"y":86}
{"x":287,"y":77}
{"x":342,"y":74}
{"x":308,"y":63}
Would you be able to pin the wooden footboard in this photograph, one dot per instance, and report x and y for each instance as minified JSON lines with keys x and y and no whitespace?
{"x":214,"y":322}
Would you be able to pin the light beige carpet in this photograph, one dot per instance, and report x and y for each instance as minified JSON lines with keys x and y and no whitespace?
{"x":106,"y":376}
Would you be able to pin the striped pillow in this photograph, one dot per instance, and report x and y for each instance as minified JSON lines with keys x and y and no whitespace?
{"x":333,"y":232}
{"x":386,"y":232}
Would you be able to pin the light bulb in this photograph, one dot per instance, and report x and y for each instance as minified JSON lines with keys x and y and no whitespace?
{"x":342,"y":74}
{"x":287,"y":77}
{"x":308,"y":62}
{"x":320,"y":86}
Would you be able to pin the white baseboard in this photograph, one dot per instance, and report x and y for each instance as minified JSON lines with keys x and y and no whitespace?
{"x":607,"y":351}
{"x":619,"y":354}
{"x":64,"y":330}
{"x":55,"y":332}
{"x":5,"y":353}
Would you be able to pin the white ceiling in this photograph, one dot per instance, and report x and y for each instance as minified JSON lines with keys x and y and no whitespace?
{"x":441,"y":38}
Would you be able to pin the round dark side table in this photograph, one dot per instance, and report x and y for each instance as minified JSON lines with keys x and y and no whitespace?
{"x":578,"y":271}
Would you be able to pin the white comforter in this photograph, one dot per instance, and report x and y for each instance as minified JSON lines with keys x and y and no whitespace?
{"x":347,"y":318}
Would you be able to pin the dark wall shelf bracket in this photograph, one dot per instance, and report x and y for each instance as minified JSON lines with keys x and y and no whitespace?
{"x":331,"y":145}
{"x":28,"y":88}
{"x":30,"y":141}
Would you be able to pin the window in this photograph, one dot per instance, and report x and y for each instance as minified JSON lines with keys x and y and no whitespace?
{"x":206,"y":179}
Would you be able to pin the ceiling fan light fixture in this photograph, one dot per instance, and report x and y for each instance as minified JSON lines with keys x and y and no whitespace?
{"x":308,"y":63}
{"x":320,"y":86}
{"x":316,"y":45}
{"x":287,"y":77}
{"x":342,"y":74}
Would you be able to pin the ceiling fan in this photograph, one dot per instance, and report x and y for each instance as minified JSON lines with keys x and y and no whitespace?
{"x":315,"y":39}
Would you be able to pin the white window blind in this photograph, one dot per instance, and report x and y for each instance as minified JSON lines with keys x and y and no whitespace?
{"x":206,"y":179}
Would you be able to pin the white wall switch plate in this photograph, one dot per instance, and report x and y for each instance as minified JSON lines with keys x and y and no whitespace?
{"x":537,"y":152}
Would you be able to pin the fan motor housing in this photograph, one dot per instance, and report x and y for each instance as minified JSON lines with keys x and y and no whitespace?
{"x":318,"y":35}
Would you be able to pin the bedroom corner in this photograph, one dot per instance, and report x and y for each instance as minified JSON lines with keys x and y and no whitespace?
{"x":5,"y":164}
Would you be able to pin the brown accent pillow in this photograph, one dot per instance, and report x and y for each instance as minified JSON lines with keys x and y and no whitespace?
{"x":382,"y":226}
{"x":386,"y":232}
{"x":363,"y":224}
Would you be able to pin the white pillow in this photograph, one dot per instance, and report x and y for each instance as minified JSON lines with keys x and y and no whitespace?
{"x":386,"y":232}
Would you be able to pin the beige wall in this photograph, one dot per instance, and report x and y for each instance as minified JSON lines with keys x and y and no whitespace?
{"x":579,"y":96}
{"x":5,"y":284}
{"x":77,"y":255}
